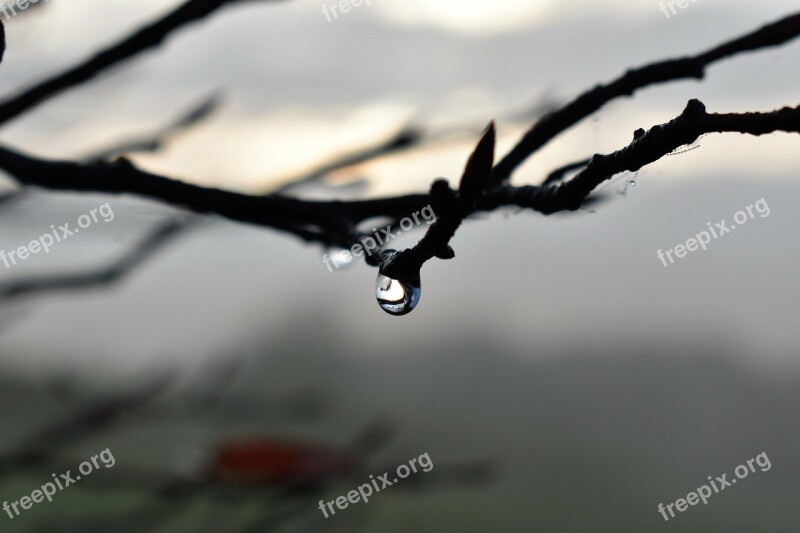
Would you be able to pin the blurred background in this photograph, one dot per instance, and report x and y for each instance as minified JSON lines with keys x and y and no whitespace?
{"x":558,"y":375}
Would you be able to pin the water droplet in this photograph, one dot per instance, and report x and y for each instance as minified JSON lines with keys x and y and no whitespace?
{"x":629,"y":184}
{"x":397,"y":297}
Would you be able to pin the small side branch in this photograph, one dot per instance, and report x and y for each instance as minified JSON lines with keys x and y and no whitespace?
{"x":647,"y":147}
{"x":104,"y":275}
{"x":693,"y":67}
{"x":156,"y":141}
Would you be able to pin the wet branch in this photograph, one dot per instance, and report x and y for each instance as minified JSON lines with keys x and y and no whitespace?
{"x":646,"y":148}
{"x":483,"y":186}
{"x":692,"y":67}
{"x":333,"y":222}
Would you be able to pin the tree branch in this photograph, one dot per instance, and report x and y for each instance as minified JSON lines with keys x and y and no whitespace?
{"x":482,"y":187}
{"x":405,"y":138}
{"x":145,"y":38}
{"x":333,"y":222}
{"x":156,"y":141}
{"x":670,"y":70}
{"x":647,"y":147}
{"x":559,"y":173}
{"x":100,"y":276}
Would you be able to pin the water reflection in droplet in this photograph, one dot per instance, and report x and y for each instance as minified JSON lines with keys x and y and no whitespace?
{"x":396,"y":297}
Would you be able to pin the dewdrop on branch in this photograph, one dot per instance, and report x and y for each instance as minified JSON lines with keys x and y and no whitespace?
{"x":398,"y":287}
{"x":397,"y":297}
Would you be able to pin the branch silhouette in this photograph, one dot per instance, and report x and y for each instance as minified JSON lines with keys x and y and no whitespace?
{"x":692,"y":67}
{"x":483,"y":186}
{"x":155,"y":142}
{"x":140,"y":41}
{"x":103,"y":275}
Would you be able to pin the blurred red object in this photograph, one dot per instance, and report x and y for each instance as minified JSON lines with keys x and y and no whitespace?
{"x":261,"y":461}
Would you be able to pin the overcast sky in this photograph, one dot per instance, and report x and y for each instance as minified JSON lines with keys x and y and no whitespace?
{"x":299,"y":89}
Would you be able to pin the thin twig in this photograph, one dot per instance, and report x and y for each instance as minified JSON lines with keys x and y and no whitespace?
{"x":155,"y":142}
{"x":143,"y":39}
{"x":647,"y":147}
{"x":104,"y":275}
{"x":692,"y":67}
